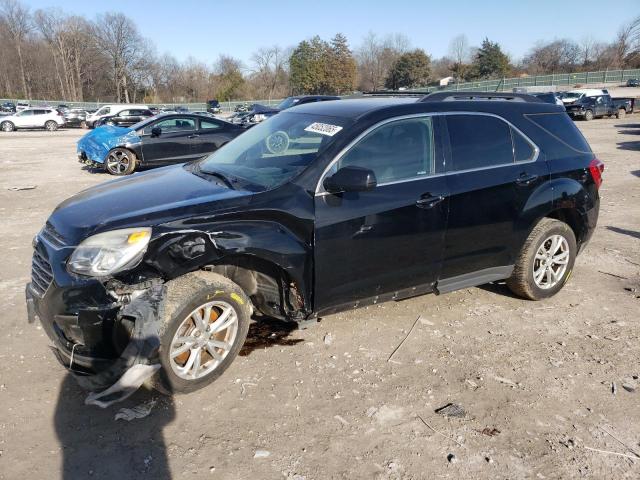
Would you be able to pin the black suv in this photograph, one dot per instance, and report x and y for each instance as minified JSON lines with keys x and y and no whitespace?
{"x":324,"y":207}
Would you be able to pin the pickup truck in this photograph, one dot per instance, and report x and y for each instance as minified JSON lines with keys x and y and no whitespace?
{"x":596,"y":106}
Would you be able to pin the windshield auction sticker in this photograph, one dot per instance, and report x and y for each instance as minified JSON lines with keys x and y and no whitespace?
{"x":323,"y":129}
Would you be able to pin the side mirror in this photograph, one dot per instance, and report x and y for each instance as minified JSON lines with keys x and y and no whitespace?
{"x":156,"y":131}
{"x":350,"y":179}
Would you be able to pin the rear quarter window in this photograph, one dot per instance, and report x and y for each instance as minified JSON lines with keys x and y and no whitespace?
{"x":562,"y":128}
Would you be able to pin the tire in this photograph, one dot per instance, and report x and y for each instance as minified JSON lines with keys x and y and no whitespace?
{"x":120,"y":161}
{"x":83,"y":125}
{"x":7,"y":127}
{"x":522,"y":281}
{"x":621,"y":113}
{"x":51,"y":126}
{"x":588,"y":115}
{"x":186,"y":295}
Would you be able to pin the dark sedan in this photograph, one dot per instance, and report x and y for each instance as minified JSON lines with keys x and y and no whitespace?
{"x":161,"y":140}
{"x":76,"y":117}
{"x":125,"y":118}
{"x":8,"y":107}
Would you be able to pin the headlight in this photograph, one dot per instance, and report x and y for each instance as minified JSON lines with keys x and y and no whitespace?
{"x":109,"y":252}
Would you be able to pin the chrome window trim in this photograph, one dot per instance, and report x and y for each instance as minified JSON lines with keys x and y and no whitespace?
{"x":319,"y":191}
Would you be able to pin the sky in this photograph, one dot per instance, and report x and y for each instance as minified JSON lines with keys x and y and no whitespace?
{"x":207,"y":28}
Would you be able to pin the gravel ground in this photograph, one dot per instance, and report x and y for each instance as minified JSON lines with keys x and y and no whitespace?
{"x":535,"y":379}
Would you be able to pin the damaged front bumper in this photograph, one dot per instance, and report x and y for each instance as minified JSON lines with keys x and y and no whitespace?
{"x":96,"y":334}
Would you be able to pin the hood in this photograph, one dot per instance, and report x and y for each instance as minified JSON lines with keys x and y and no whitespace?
{"x":97,"y":143}
{"x":143,"y":199}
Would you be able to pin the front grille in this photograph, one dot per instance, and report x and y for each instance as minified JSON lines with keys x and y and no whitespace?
{"x":41,"y":273}
{"x":49,"y":234}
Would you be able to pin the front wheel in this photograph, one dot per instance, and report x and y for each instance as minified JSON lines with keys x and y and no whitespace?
{"x":621,"y":113}
{"x":545,"y":261}
{"x":51,"y":126}
{"x":7,"y":127}
{"x":206,"y":321}
{"x":120,"y":161}
{"x":588,"y":115}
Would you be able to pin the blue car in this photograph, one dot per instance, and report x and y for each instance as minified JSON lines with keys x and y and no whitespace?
{"x":160,"y":140}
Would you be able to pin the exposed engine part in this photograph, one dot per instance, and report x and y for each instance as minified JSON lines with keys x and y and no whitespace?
{"x":124,"y":293}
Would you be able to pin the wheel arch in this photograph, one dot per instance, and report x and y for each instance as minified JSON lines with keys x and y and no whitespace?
{"x":563,"y":199}
{"x":268,"y":261}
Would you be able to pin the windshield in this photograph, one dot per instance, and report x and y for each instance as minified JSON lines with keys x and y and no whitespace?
{"x":573,"y":95}
{"x":287,"y":103}
{"x":103,"y":111}
{"x":275,"y":150}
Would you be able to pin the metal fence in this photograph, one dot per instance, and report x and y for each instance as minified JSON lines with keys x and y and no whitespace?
{"x":571,"y":80}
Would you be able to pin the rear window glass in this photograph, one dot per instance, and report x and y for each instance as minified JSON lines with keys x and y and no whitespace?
{"x":478,"y":141}
{"x":560,"y":126}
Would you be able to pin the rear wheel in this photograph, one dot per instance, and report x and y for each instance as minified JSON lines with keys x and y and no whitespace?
{"x":588,"y":115}
{"x":120,"y":161}
{"x":206,"y":321}
{"x":621,"y":113}
{"x":7,"y":127}
{"x":51,"y":126}
{"x":545,"y":261}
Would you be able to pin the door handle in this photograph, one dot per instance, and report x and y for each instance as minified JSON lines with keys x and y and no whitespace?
{"x":194,"y":135}
{"x":429,"y":201}
{"x":526,"y":179}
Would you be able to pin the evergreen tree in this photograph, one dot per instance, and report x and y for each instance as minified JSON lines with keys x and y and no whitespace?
{"x":340,"y":73}
{"x":490,"y":61}
{"x":411,"y":69}
{"x":307,"y":66}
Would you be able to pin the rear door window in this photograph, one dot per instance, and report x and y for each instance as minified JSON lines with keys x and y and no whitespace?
{"x":478,"y":141}
{"x":209,"y":125}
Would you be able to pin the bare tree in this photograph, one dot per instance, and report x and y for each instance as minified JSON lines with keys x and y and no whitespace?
{"x":17,"y":20}
{"x":587,"y":48}
{"x":460,"y":54}
{"x":118,"y":38}
{"x":375,"y":57}
{"x":269,"y":69}
{"x":556,"y":56}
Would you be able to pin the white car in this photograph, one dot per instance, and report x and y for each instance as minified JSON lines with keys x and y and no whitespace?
{"x":111,"y":110}
{"x":43,"y":117}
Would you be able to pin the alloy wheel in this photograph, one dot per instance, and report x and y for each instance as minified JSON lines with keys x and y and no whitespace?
{"x":118,"y":161}
{"x":203,"y":340}
{"x":550,"y":262}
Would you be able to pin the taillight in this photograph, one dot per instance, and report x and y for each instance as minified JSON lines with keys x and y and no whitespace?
{"x":596,"y":167}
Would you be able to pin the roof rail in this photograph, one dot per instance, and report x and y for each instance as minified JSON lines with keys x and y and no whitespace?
{"x":473,"y":96}
{"x":394,"y":93}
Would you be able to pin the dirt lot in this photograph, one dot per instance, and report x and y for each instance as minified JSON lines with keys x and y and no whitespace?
{"x":535,"y":379}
